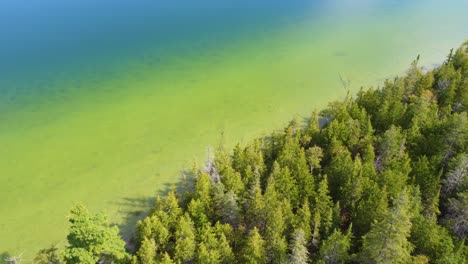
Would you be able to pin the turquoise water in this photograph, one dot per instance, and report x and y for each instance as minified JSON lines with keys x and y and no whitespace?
{"x":105,"y":102}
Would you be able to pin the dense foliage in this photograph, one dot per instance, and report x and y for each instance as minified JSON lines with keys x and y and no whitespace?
{"x":376,"y":178}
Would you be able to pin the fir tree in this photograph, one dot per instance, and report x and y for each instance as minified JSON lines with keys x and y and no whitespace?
{"x":299,"y":252}
{"x":254,"y":251}
{"x":387,"y":240}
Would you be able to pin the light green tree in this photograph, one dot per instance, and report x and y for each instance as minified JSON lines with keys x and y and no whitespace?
{"x":91,"y":239}
{"x":254,"y":250}
{"x":185,"y":243}
{"x":147,"y":252}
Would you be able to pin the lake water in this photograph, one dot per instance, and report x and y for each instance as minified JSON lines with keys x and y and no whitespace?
{"x":105,"y":102}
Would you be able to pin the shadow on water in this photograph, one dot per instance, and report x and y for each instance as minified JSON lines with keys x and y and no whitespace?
{"x":4,"y":255}
{"x":133,"y":209}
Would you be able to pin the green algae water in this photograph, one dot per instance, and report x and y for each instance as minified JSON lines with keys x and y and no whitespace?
{"x":106,"y":102}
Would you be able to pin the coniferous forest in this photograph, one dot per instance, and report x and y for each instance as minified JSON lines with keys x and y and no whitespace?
{"x":379,"y":177}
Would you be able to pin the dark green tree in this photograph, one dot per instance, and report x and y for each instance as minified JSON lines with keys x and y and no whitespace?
{"x":387,"y":240}
{"x":335,"y":249}
{"x":48,"y":256}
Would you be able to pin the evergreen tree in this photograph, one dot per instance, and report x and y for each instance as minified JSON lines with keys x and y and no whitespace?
{"x":254,"y":251}
{"x":230,"y":211}
{"x":431,"y":240}
{"x":428,"y":180}
{"x":147,"y":252}
{"x":304,"y":220}
{"x":299,"y":252}
{"x":197,"y":212}
{"x":292,"y":156}
{"x":373,"y":207}
{"x":339,"y":173}
{"x":185,"y":243}
{"x":387,"y":240}
{"x":393,"y":163}
{"x":323,"y":212}
{"x":277,"y":244}
{"x":314,"y":157}
{"x":155,"y":227}
{"x":335,"y":248}
{"x":255,"y":206}
{"x":165,"y":259}
{"x":286,"y":185}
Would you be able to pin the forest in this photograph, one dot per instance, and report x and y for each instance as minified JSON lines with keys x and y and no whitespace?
{"x":379,"y":177}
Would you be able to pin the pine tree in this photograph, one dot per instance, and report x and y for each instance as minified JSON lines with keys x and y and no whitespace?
{"x":352,"y":188}
{"x":323,"y":212}
{"x":147,"y":252}
{"x":286,"y":185}
{"x":299,"y":252}
{"x":165,"y":259}
{"x":304,"y":220}
{"x":428,"y":180}
{"x":230,"y":211}
{"x":203,"y":191}
{"x":387,"y":240}
{"x":206,"y":256}
{"x":314,"y":157}
{"x":431,"y":240}
{"x":185,"y":243}
{"x":197,"y":212}
{"x":292,"y":156}
{"x":255,"y":206}
{"x":393,"y":163}
{"x":254,"y":251}
{"x":335,"y":249}
{"x":373,"y":207}
{"x":277,"y":244}
{"x":155,"y":227}
{"x":339,"y":173}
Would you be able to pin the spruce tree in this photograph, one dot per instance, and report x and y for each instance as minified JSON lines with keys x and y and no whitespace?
{"x":254,"y":250}
{"x":299,"y":252}
{"x":335,"y":249}
{"x":185,"y":243}
{"x":147,"y":251}
{"x":387,"y":240}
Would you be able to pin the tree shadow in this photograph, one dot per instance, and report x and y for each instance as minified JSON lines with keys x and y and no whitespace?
{"x":4,"y":255}
{"x":133,"y":209}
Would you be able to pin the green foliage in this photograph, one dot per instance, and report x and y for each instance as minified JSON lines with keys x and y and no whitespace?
{"x":254,"y":251}
{"x":387,"y":241}
{"x":185,"y":240}
{"x":299,"y":252}
{"x":92,"y":239}
{"x":147,"y":251}
{"x":335,"y":249}
{"x":323,"y":212}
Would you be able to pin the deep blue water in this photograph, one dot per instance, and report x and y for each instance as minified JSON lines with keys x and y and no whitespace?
{"x":40,"y":39}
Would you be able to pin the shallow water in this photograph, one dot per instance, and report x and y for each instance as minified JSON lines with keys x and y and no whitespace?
{"x":105,"y":102}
